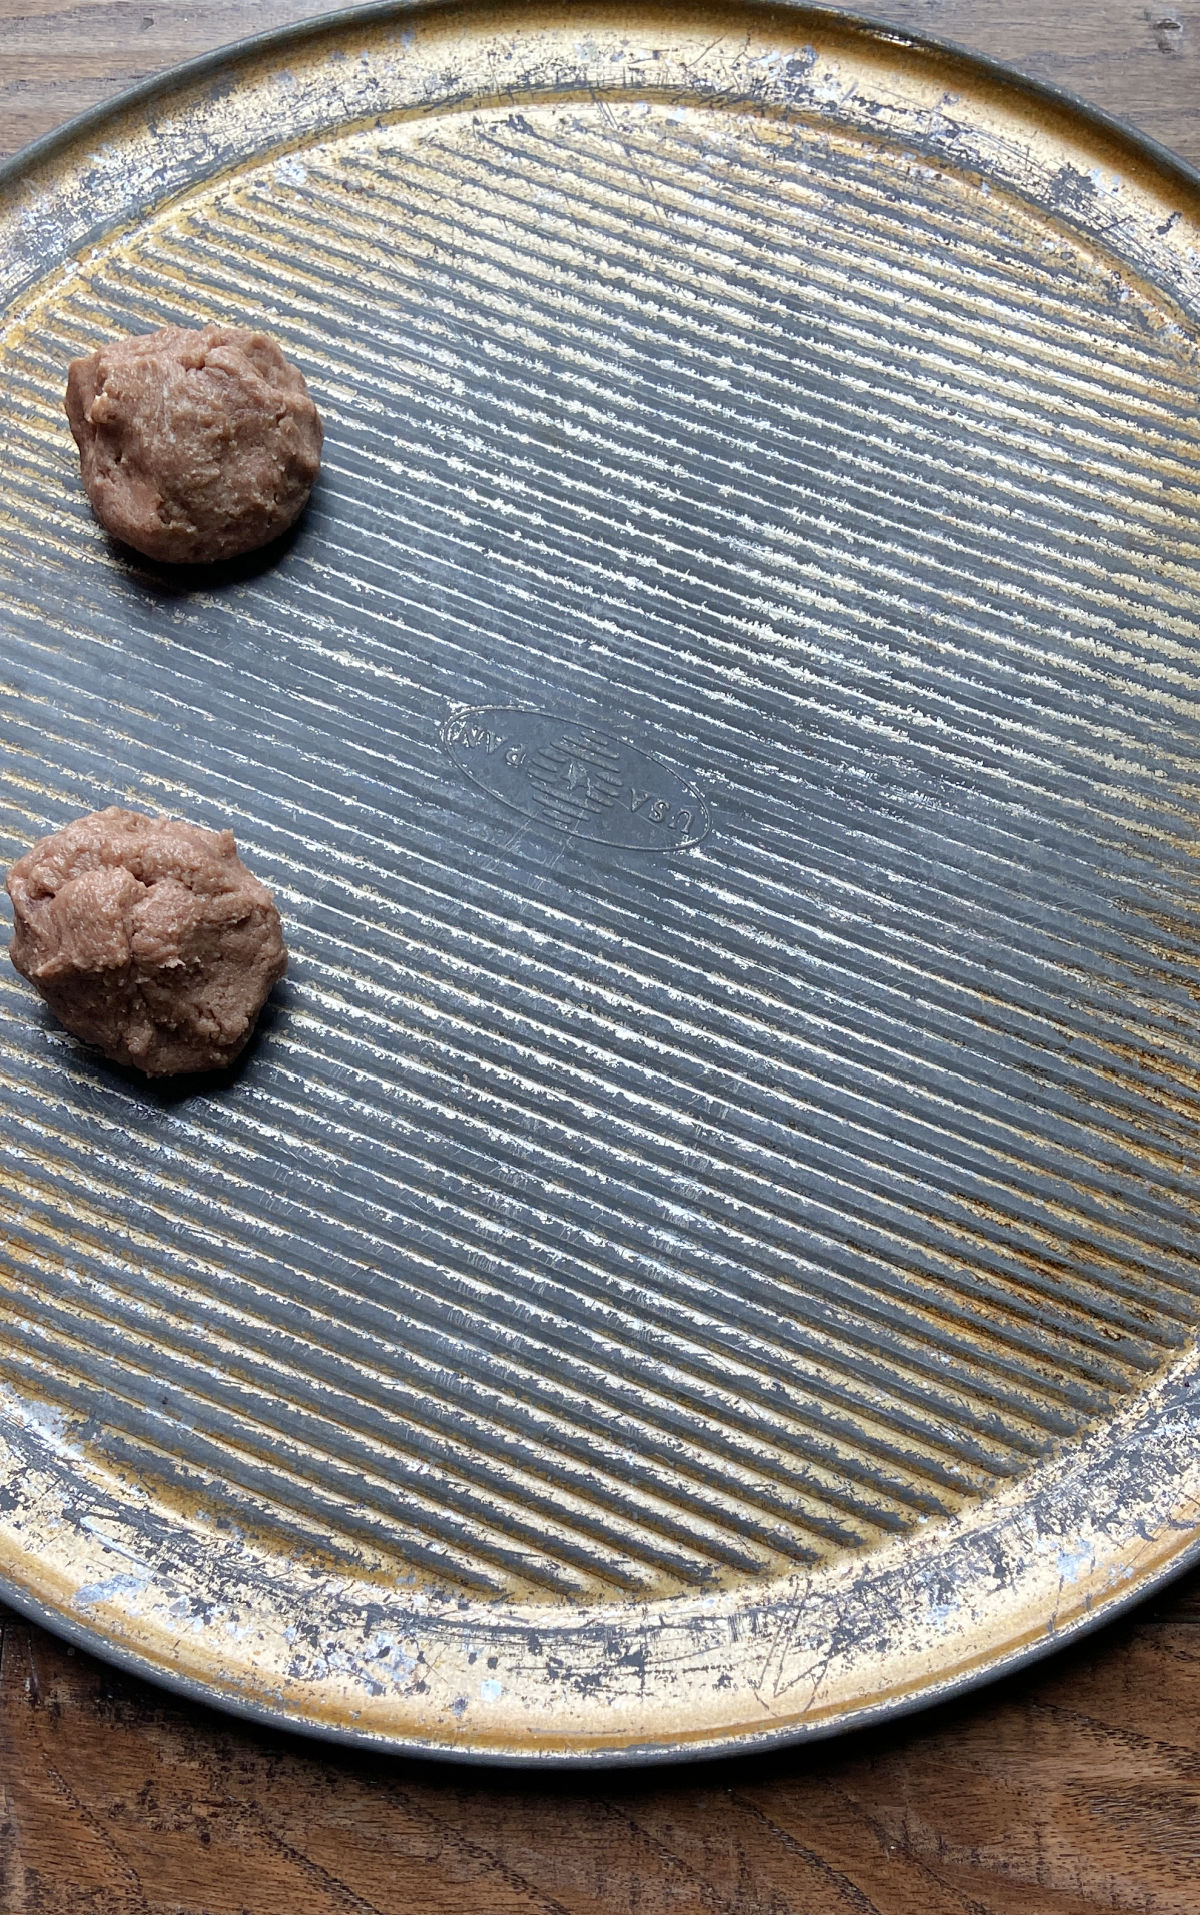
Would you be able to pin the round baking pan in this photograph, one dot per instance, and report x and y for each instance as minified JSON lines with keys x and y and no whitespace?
{"x":703,"y":1249}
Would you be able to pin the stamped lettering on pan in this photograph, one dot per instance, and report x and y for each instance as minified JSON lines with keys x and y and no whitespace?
{"x":575,"y":778}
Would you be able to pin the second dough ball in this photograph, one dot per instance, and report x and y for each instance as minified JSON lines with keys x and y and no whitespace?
{"x":194,"y":445}
{"x":147,"y":937}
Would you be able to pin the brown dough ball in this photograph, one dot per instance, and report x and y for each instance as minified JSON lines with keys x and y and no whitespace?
{"x":147,"y":937}
{"x":194,"y":445}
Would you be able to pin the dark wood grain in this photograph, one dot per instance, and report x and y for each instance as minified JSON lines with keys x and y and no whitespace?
{"x":1067,"y":1791}
{"x":1072,"y":1789}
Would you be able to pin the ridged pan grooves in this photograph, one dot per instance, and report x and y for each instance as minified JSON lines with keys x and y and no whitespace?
{"x":593,"y":1228}
{"x":531,"y":274}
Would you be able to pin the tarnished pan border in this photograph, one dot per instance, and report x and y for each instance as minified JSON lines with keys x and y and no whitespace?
{"x":1069,"y":1547}
{"x":1063,"y":1551}
{"x":1132,"y":159}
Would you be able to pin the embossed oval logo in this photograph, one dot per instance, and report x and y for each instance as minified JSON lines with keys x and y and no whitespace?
{"x":577,"y":778}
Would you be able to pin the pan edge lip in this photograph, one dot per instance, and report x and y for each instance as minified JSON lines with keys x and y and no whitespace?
{"x":864,"y":26}
{"x":723,"y":1746}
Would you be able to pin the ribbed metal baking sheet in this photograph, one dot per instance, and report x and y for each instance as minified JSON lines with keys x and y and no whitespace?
{"x":704,"y":1249}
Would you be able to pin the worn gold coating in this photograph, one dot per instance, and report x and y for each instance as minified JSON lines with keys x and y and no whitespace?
{"x":703,"y":1252}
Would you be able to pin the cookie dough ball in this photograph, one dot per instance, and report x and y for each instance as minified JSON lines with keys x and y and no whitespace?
{"x":194,"y":445}
{"x":148,"y":938}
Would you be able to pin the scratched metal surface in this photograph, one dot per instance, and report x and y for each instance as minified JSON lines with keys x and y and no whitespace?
{"x":704,"y":1249}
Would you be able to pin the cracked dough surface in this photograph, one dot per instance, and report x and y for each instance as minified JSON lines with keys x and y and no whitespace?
{"x":147,"y":937}
{"x":194,"y":445}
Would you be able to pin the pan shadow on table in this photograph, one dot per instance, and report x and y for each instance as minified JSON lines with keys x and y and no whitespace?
{"x":1031,"y":1797}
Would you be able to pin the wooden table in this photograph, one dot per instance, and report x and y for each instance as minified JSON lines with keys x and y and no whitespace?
{"x":1075,"y":1788}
